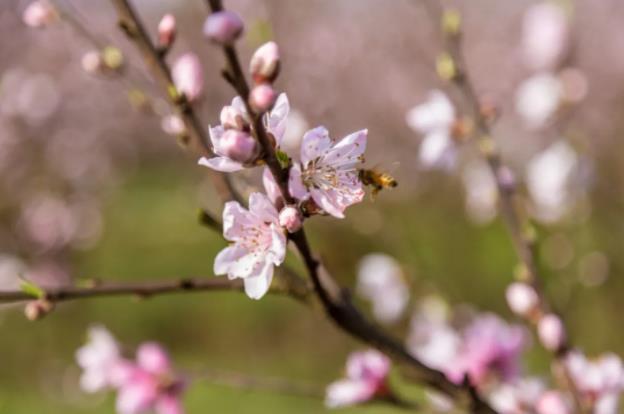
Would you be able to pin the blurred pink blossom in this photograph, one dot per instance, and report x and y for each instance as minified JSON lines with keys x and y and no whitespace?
{"x":366,"y":378}
{"x":521,"y":298}
{"x":518,"y":397}
{"x":328,"y":170}
{"x":434,"y":118}
{"x":545,"y":34}
{"x":538,"y":98}
{"x":259,"y":244}
{"x":98,"y":360}
{"x":39,"y":13}
{"x":553,"y":402}
{"x":381,"y":281}
{"x":551,"y":331}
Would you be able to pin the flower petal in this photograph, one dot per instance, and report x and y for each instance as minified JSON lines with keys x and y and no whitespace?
{"x":261,"y":207}
{"x":348,"y":151}
{"x":256,"y":286}
{"x":222,"y":164}
{"x":270,"y":186}
{"x":278,"y":245}
{"x":235,"y":219}
{"x":215,"y":134}
{"x":315,"y":142}
{"x":226,"y":258}
{"x":169,"y":404}
{"x":328,"y":201}
{"x":295,"y":183}
{"x":277,"y":119}
{"x":347,"y":392}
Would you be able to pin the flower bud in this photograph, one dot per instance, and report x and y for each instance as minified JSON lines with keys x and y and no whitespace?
{"x":173,"y":125}
{"x":290,"y":218}
{"x":264,"y":65}
{"x":223,"y":27}
{"x":187,"y":76}
{"x":37,"y":309}
{"x":91,"y":62}
{"x":232,"y":118}
{"x":166,"y":30}
{"x":39,"y":13}
{"x":153,"y":358}
{"x":551,"y":331}
{"x":521,"y":298}
{"x":262,"y":97}
{"x":238,"y":146}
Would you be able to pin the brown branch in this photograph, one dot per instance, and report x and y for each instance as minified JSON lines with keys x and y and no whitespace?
{"x":151,"y":288}
{"x":131,"y":24}
{"x":336,"y":300}
{"x":518,"y":224}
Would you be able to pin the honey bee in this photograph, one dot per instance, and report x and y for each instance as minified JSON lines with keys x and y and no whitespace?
{"x":377,"y":179}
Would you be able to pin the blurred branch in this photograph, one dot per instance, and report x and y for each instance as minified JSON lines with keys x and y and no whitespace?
{"x":132,"y":26}
{"x":252,"y":383}
{"x":518,"y":224}
{"x":152,"y":288}
{"x":336,"y":300}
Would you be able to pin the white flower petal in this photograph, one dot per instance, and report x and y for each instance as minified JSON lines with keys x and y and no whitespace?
{"x":278,"y":117}
{"x":226,"y":258}
{"x":222,"y":164}
{"x":314,"y":144}
{"x":256,"y":286}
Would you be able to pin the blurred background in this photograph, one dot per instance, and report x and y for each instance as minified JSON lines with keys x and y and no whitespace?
{"x":92,"y":186}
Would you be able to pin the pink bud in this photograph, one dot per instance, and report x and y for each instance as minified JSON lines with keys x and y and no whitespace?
{"x":290,"y":218}
{"x":262,"y":97}
{"x":551,"y":331}
{"x":166,"y":30}
{"x":37,"y":309}
{"x":223,"y":27}
{"x":153,"y":358}
{"x":91,"y":62}
{"x":238,"y":146}
{"x":187,"y":76}
{"x":264,"y":66}
{"x":39,"y":13}
{"x":551,"y":402}
{"x":521,"y":298}
{"x":232,"y":118}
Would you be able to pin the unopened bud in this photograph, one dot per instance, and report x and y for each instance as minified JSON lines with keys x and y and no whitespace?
{"x":264,"y":65}
{"x":551,"y":331}
{"x":290,"y":218}
{"x":238,"y":146}
{"x":173,"y":125}
{"x":166,"y":30}
{"x":187,"y":76}
{"x":521,"y":298}
{"x":37,"y":309}
{"x":223,"y":27}
{"x":232,"y":118}
{"x":39,"y":13}
{"x":91,"y":62}
{"x":262,"y":97}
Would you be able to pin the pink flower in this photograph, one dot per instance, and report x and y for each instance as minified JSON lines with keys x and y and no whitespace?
{"x":434,"y":119}
{"x":290,"y":218}
{"x":98,"y":359}
{"x":600,"y":380}
{"x":518,"y":397}
{"x":490,"y":346}
{"x":187,"y":76}
{"x":328,"y":170}
{"x":234,"y":117}
{"x":259,"y":244}
{"x":149,"y":384}
{"x":367,"y":374}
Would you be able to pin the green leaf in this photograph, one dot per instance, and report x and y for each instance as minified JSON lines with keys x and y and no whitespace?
{"x":32,"y":289}
{"x":282,"y":157}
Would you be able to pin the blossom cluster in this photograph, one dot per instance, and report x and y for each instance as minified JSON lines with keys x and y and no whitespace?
{"x":146,"y":384}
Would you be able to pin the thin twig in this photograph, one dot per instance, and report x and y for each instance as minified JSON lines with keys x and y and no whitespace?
{"x":517,"y":222}
{"x":336,"y":300}
{"x":134,"y":29}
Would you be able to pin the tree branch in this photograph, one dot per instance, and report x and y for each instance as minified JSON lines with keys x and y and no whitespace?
{"x":518,"y":224}
{"x":336,"y":300}
{"x":131,"y":25}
